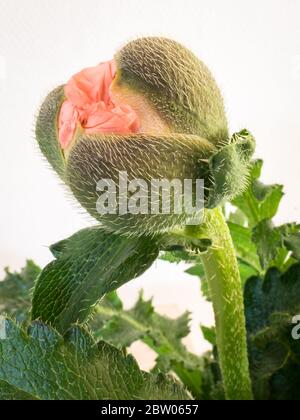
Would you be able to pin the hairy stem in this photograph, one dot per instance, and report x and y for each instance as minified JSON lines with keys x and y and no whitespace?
{"x":222,"y":272}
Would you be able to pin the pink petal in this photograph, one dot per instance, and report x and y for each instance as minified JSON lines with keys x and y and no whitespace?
{"x":67,"y":123}
{"x":91,"y":85}
{"x":121,"y":119}
{"x":89,"y":103}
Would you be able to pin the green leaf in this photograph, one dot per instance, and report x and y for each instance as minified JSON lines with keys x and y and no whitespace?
{"x":277,"y":293}
{"x":163,"y":335}
{"x":246,"y":271}
{"x":209,"y":333}
{"x":293,"y":244}
{"x":196,"y":270}
{"x":237,"y":217}
{"x":268,"y":241}
{"x":275,"y":243}
{"x":177,"y":256}
{"x":47,"y":366}
{"x":9,"y":392}
{"x":245,"y":248}
{"x":259,"y":201}
{"x":89,"y":264}
{"x":270,"y":306}
{"x":291,"y":238}
{"x":15,"y":291}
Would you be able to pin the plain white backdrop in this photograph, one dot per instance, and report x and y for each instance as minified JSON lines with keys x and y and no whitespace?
{"x":253,"y":49}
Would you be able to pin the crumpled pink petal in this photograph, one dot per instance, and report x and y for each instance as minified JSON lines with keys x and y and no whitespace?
{"x":89,"y":103}
{"x":67,"y":123}
{"x":121,"y":119}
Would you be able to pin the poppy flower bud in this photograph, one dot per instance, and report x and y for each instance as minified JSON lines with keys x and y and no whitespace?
{"x":153,"y":113}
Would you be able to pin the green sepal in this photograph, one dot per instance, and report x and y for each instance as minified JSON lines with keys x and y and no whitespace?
{"x":46,"y":130}
{"x":229,"y":168}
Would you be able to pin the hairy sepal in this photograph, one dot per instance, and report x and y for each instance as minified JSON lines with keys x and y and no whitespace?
{"x":47,"y":130}
{"x":178,"y":85}
{"x":229,"y":168}
{"x":141,"y":156}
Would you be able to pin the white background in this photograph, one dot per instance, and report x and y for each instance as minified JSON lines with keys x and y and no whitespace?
{"x":253,"y":49}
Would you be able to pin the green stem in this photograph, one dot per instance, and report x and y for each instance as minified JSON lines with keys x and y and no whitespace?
{"x":222,"y":272}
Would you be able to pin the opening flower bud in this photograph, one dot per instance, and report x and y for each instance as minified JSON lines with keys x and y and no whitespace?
{"x":154,"y":112}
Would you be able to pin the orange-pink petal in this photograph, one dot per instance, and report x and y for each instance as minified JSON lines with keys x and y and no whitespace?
{"x":89,"y":103}
{"x":67,"y":123}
